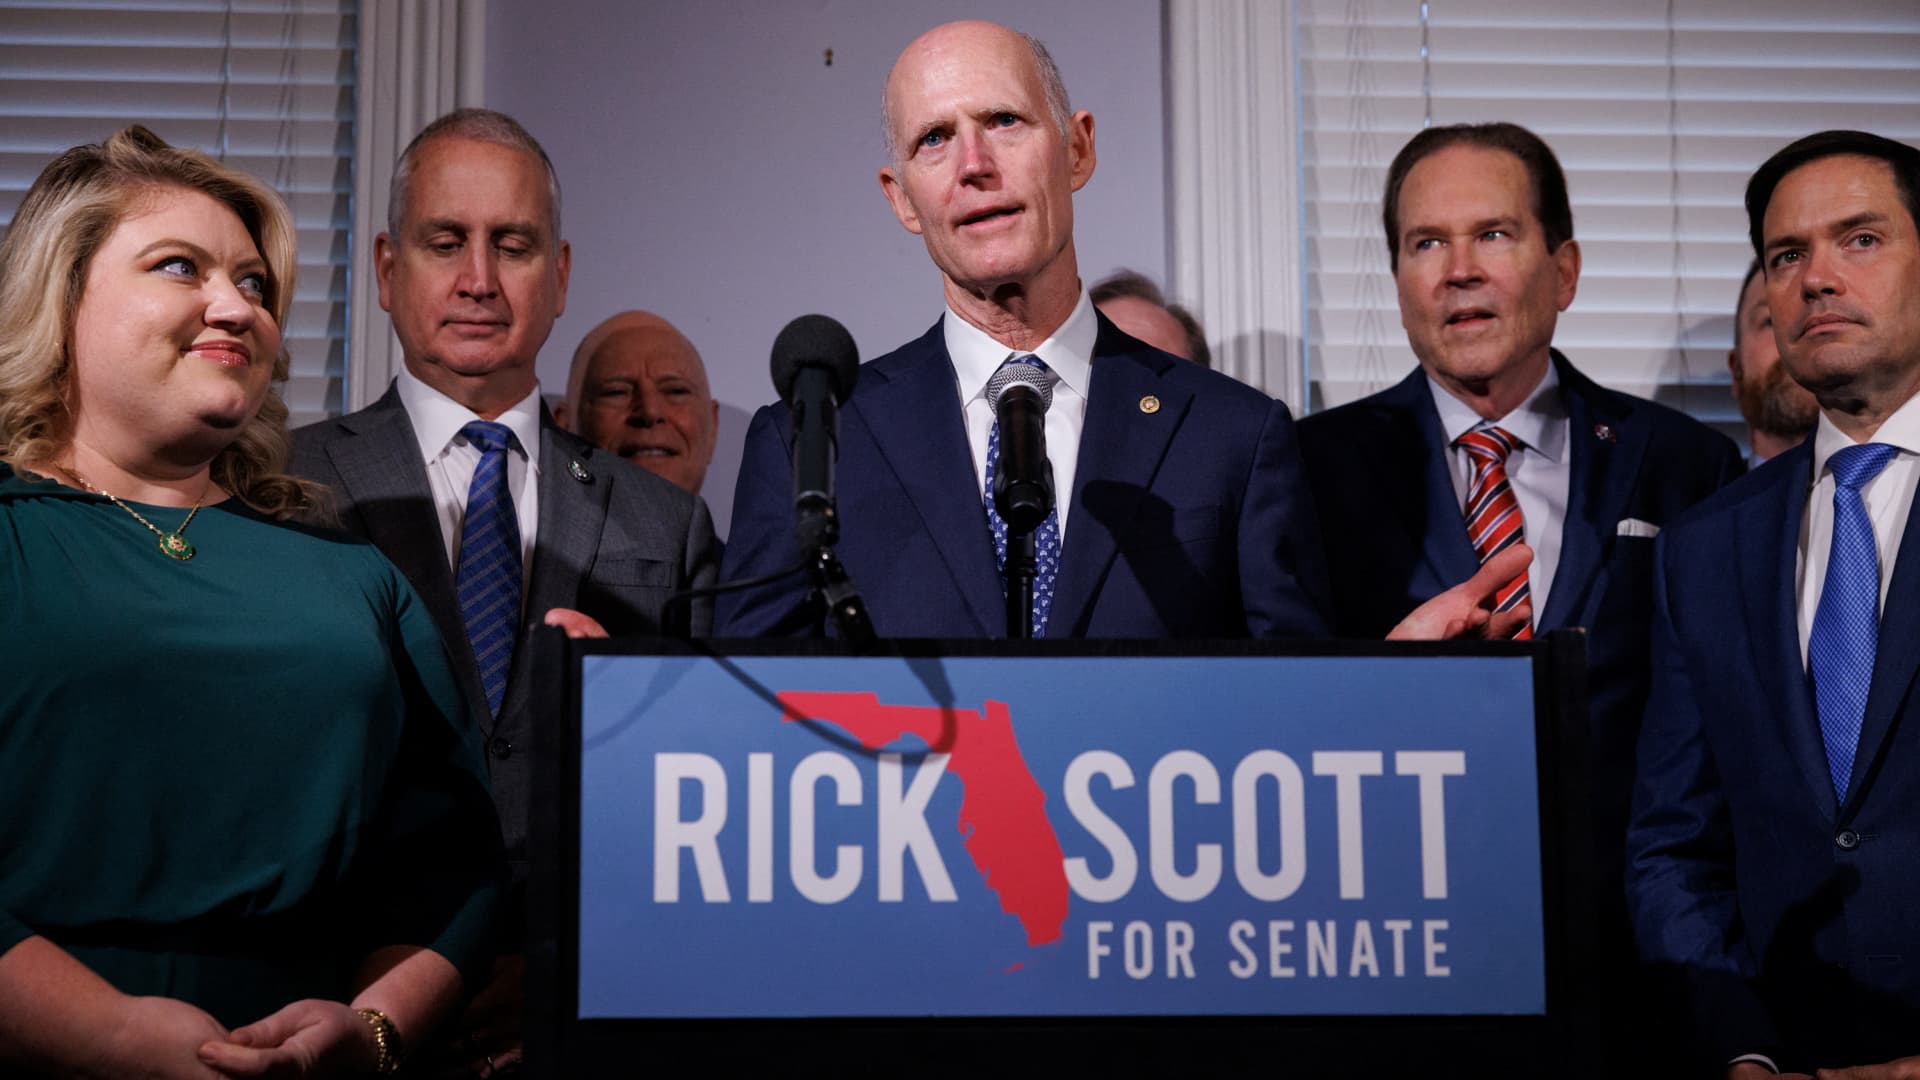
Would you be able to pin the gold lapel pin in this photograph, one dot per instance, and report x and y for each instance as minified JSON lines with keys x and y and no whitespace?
{"x":1149,"y":404}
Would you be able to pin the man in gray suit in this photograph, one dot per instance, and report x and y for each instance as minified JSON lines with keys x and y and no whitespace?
{"x":499,"y":518}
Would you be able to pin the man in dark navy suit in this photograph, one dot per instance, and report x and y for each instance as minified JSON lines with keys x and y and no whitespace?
{"x":1496,"y":436}
{"x":1776,"y":834}
{"x":1181,"y":510}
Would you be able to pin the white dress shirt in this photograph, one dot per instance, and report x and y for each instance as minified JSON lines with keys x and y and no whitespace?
{"x":1068,"y":354}
{"x":1888,"y":496}
{"x":450,"y":460}
{"x":1539,"y":470}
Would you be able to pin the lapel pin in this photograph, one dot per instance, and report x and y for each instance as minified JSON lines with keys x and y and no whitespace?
{"x":1605,"y":433}
{"x":578,"y":471}
{"x":1149,"y":404}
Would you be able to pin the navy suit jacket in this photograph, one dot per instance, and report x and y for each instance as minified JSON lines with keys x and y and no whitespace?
{"x":1381,"y":475}
{"x":612,"y":541}
{"x":1189,"y":519}
{"x":1794,"y":919}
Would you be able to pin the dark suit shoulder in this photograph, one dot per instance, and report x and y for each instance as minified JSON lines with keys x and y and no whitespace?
{"x":1785,"y":477}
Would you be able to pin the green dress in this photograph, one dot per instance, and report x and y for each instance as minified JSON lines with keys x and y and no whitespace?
{"x":228,"y":780}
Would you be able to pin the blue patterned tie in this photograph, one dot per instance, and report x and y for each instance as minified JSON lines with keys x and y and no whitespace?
{"x":1046,"y":539}
{"x":1840,"y":650}
{"x":489,"y":570}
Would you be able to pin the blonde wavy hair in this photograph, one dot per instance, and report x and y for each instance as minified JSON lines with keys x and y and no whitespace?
{"x":66,"y":217}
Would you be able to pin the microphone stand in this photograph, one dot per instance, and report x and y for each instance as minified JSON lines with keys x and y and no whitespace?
{"x":1022,"y":565}
{"x":835,"y":588}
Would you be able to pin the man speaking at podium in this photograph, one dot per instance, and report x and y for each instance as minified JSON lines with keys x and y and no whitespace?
{"x":1181,"y":510}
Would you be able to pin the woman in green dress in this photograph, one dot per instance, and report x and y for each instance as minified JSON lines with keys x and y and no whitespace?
{"x":247,"y":831}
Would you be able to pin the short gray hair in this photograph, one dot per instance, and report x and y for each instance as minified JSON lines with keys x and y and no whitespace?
{"x":1051,"y":84}
{"x":480,"y":125}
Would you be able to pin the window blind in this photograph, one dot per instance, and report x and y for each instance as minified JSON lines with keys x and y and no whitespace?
{"x":265,"y":85}
{"x":1659,"y":111}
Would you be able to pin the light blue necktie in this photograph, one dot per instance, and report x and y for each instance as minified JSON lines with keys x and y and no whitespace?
{"x":489,"y":570}
{"x":1841,"y":648}
{"x":1046,"y":539}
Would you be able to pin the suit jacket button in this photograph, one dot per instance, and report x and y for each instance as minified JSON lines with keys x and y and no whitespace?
{"x":500,"y":748}
{"x":1848,"y":840}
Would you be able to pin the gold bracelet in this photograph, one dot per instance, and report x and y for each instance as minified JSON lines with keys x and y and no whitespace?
{"x":386,"y":1040}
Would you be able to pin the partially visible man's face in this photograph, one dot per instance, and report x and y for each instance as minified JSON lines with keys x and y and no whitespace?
{"x":474,"y":280}
{"x":1479,"y":291}
{"x":1842,"y":260}
{"x":1149,"y":322}
{"x":644,"y":396}
{"x":985,"y":175}
{"x":1770,"y":401}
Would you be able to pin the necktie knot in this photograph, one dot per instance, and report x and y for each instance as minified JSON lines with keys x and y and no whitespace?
{"x":1489,"y":445}
{"x":488,"y":436}
{"x":1854,"y":466}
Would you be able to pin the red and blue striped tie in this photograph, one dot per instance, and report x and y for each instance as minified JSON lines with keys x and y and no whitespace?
{"x":1492,"y":512}
{"x":488,"y":575}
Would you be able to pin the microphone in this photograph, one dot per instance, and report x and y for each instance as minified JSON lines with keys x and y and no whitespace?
{"x":814,"y":365}
{"x":1023,"y":484}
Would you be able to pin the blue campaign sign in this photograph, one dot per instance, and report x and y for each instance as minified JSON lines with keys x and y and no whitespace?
{"x":766,"y":836}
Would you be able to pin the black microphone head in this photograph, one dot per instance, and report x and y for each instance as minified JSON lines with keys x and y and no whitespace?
{"x":815,"y":341}
{"x":1012,"y":375}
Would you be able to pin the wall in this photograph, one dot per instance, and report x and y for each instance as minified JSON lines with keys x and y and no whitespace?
{"x":716,"y":170}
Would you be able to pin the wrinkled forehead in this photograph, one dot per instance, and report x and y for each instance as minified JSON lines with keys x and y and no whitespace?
{"x":646,"y":352}
{"x":461,"y":176}
{"x":961,"y":71}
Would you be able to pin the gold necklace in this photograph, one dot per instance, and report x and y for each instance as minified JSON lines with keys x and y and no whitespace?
{"x":174,"y":545}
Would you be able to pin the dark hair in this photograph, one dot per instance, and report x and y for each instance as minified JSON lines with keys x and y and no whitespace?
{"x":1543,"y":170}
{"x":1740,"y":296}
{"x":1133,"y":283}
{"x":1904,"y":160}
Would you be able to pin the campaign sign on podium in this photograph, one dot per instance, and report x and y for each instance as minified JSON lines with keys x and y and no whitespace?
{"x":1059,"y":834}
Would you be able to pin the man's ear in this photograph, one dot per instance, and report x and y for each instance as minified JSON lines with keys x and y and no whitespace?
{"x":563,"y":266}
{"x":1566,"y":262}
{"x":896,"y":194}
{"x":383,"y":266}
{"x":1080,"y":155}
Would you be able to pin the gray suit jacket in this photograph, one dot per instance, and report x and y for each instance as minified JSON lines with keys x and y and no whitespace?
{"x":614,"y":545}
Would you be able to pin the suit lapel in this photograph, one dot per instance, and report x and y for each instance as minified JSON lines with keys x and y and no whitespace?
{"x":1121,"y":448}
{"x":382,"y":477}
{"x":923,"y":438}
{"x":1895,"y":658}
{"x":1766,"y":546}
{"x":572,"y":515}
{"x":1431,"y":512}
{"x":1605,"y":447}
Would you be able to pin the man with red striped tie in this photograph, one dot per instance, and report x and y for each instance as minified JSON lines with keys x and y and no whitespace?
{"x":1496,"y":438}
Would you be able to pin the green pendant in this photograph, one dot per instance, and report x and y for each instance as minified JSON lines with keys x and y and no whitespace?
{"x":175,"y":546}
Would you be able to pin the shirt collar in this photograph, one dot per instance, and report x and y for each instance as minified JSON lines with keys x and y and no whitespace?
{"x":437,"y":419}
{"x":1539,"y":422}
{"x":1901,"y":430}
{"x":1068,"y":353}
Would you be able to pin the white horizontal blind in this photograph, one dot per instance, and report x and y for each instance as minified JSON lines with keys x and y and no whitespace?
{"x":1659,"y":111}
{"x":265,"y":85}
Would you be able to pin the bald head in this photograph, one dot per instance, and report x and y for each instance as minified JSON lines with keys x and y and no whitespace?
{"x":944,"y":38}
{"x":638,"y":389}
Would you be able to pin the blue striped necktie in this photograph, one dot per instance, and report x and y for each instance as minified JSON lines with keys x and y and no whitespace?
{"x":489,"y":570}
{"x":1840,"y":650}
{"x":1046,"y":539}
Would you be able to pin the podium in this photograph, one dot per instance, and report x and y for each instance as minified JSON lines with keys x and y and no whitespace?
{"x":1301,"y":858}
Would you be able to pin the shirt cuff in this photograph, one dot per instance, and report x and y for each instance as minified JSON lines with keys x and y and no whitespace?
{"x":1757,"y":1059}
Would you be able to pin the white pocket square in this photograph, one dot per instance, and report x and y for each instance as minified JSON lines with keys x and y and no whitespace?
{"x":1636,"y":527}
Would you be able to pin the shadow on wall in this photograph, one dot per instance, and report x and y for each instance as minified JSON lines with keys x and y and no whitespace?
{"x":1694,"y":377}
